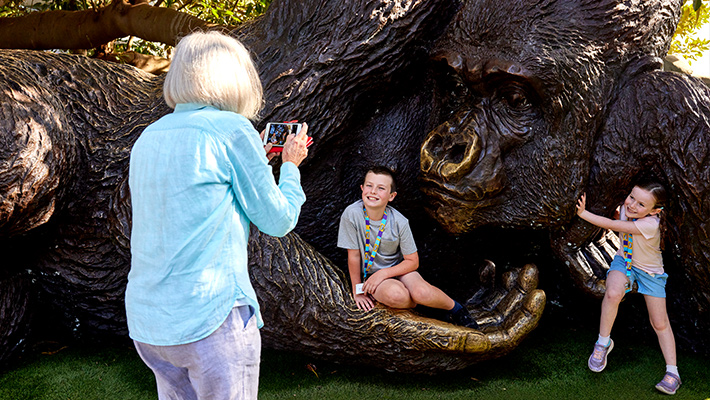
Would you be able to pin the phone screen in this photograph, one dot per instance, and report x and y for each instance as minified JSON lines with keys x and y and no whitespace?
{"x":276,"y":132}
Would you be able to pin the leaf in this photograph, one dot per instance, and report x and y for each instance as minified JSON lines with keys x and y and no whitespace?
{"x":312,"y":368}
{"x":697,"y":4}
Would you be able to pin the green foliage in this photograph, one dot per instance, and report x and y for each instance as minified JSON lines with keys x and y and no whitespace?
{"x":138,"y":45}
{"x":695,"y":16}
{"x":227,"y":12}
{"x":18,"y":8}
{"x":15,"y":8}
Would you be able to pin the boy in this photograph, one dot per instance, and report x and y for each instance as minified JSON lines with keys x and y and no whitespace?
{"x":381,"y":249}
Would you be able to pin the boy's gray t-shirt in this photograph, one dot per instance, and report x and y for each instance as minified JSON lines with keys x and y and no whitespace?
{"x":396,"y":240}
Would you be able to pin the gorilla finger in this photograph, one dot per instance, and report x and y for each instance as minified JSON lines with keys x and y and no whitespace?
{"x":528,"y":277}
{"x":583,"y":275}
{"x":490,"y":302}
{"x":508,"y":302}
{"x":487,"y":274}
{"x":518,"y":325}
{"x":486,"y":318}
{"x":509,"y":279}
{"x":505,"y":307}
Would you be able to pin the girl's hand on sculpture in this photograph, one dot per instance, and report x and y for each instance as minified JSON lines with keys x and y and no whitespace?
{"x":295,"y":150}
{"x":581,"y":204}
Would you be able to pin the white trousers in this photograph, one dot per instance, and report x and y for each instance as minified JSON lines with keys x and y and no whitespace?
{"x":224,"y":365}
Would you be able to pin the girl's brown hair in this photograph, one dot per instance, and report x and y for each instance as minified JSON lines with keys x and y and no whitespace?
{"x":661,"y":196}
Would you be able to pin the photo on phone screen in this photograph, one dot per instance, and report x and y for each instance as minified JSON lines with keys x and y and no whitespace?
{"x":276,"y":132}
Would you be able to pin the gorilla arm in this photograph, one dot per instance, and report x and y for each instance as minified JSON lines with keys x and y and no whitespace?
{"x":307,"y":307}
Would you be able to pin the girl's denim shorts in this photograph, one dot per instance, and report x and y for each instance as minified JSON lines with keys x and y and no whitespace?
{"x":649,"y":284}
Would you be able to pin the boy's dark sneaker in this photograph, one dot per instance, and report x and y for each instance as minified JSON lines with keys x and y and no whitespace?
{"x":463,"y":318}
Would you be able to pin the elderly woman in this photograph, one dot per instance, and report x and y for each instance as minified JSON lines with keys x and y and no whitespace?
{"x":198,"y":177}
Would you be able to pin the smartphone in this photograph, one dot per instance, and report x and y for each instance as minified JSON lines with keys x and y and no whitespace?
{"x":277,"y":132}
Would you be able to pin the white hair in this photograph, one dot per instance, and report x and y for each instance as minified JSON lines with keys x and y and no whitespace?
{"x":214,"y":69}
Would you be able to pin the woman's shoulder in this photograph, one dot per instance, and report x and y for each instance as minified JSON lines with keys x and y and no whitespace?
{"x":208,"y":119}
{"x":227,"y":122}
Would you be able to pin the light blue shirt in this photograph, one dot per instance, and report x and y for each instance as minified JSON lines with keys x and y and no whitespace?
{"x":198,"y":177}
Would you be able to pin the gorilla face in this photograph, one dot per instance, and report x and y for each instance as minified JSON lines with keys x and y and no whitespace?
{"x":517,"y":112}
{"x":496,"y":113}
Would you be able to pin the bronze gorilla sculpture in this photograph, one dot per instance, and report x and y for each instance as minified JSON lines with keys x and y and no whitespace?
{"x":68,"y":125}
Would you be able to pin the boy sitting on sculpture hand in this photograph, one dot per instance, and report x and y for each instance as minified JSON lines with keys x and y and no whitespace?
{"x":382,"y":252}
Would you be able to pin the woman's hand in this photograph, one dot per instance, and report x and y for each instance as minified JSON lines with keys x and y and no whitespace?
{"x":269,"y":156}
{"x":295,"y":150}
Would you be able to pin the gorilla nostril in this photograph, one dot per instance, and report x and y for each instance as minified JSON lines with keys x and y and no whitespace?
{"x":457,"y":153}
{"x":455,"y":165}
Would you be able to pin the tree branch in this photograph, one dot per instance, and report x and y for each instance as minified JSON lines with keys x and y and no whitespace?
{"x":90,"y":28}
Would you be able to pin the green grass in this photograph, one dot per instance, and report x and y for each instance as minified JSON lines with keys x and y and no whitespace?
{"x":550,"y":364}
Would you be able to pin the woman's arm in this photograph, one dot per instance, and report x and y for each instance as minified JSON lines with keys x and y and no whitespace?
{"x":274,"y":209}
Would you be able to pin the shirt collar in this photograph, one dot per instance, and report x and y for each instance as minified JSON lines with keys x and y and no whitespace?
{"x":182,"y":107}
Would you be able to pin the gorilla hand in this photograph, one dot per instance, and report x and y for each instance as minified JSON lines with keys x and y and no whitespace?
{"x":587,"y":251}
{"x":308,"y":308}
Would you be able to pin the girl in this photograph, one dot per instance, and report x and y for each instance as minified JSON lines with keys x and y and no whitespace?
{"x":638,"y":260}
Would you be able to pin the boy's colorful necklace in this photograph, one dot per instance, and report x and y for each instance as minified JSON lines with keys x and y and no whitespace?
{"x":370,"y":257}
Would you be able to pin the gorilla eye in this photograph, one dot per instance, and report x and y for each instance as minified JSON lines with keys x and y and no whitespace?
{"x":451,"y":89}
{"x":515,"y":103}
{"x":515,"y":98}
